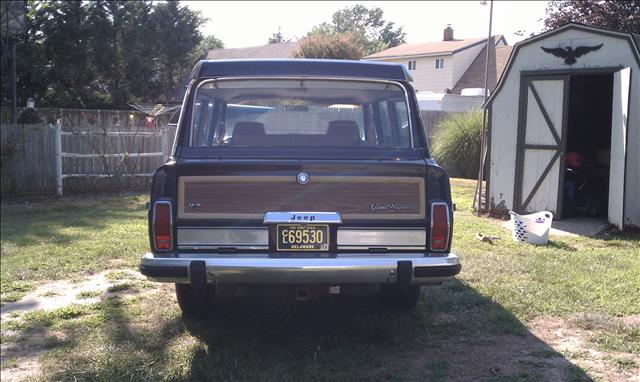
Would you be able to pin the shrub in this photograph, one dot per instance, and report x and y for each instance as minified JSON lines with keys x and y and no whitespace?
{"x":330,"y":46}
{"x":456,"y":144}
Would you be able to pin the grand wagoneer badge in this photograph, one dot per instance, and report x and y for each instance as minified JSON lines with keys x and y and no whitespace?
{"x":382,"y":207}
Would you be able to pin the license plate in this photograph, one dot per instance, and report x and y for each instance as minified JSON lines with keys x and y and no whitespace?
{"x":302,"y":237}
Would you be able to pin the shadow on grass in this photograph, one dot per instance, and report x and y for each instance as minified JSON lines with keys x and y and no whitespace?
{"x":630,"y":235}
{"x":106,"y":345}
{"x":455,"y":334}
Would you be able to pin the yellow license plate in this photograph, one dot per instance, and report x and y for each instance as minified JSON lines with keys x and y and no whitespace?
{"x":302,"y":237}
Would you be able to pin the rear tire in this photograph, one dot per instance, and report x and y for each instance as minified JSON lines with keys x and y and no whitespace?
{"x":193,"y":302}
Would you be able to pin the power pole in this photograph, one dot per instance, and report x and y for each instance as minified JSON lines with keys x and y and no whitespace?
{"x":483,"y":135}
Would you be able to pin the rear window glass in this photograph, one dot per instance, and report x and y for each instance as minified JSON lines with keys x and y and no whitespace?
{"x":300,"y":113}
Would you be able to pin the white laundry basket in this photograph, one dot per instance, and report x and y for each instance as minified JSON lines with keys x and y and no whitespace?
{"x":532,"y":228}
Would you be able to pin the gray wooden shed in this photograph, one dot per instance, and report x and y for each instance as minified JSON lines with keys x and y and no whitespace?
{"x":570,"y":94}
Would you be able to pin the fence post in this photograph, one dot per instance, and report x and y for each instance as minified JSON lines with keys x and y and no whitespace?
{"x":165,"y":141}
{"x":58,"y":144}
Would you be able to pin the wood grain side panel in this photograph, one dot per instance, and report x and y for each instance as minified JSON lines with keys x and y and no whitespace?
{"x":236,"y":197}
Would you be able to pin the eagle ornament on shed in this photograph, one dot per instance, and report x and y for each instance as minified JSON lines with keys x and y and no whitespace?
{"x":569,"y":54}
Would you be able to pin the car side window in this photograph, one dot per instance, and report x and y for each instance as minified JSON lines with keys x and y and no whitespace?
{"x":205,"y":117}
{"x":402,"y":123}
{"x":394,"y":123}
{"x":385,"y":123}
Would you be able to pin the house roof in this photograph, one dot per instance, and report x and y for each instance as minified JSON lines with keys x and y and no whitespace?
{"x":633,"y":39}
{"x":436,"y":48}
{"x":276,"y":50}
{"x":473,"y":77}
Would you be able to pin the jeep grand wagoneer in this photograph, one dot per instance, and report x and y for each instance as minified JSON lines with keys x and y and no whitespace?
{"x":305,"y":175}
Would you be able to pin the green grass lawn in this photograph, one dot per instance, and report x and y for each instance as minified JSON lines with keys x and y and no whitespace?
{"x":457,"y":328}
{"x":68,"y":239}
{"x":567,"y":276}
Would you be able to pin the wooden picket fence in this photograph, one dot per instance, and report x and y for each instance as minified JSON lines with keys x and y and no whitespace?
{"x":83,"y":150}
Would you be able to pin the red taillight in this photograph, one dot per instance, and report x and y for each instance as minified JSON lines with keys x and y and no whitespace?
{"x":162,"y":222}
{"x":439,"y":226}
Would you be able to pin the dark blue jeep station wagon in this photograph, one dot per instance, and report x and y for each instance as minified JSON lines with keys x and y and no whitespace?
{"x":302,"y":176}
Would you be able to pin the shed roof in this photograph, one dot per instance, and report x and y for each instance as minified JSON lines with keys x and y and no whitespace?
{"x":435,"y":48}
{"x":633,"y":39}
{"x":275,"y":50}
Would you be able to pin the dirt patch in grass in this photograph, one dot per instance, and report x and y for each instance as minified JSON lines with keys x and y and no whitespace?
{"x":20,"y":352}
{"x":27,"y":324}
{"x":61,"y":293}
{"x":553,"y":349}
{"x":20,"y":369}
{"x":496,"y":357}
{"x":576,"y":339}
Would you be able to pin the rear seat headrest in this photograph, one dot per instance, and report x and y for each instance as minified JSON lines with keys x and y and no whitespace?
{"x":248,"y":128}
{"x":247,"y":134}
{"x":345,"y":129}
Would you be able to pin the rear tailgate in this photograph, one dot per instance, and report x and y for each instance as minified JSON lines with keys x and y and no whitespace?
{"x":222,"y":203}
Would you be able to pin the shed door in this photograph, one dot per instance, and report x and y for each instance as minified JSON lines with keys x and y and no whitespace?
{"x":543,"y":101}
{"x":619,"y":124}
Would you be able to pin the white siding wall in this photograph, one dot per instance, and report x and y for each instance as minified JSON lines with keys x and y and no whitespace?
{"x":462,"y":60}
{"x":615,"y":52}
{"x":426,"y":76}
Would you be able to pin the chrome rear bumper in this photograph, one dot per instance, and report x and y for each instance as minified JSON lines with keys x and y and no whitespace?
{"x":351,"y":269}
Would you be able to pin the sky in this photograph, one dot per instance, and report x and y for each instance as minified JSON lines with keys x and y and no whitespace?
{"x":249,"y":23}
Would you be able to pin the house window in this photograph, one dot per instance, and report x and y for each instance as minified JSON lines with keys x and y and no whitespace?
{"x":412,"y":65}
{"x":439,"y":63}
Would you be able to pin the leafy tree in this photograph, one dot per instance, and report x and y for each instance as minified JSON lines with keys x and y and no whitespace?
{"x":371,"y":31}
{"x":31,"y":67}
{"x":617,"y":15}
{"x":103,"y":50}
{"x":177,"y":28}
{"x":208,"y":43}
{"x":330,"y":46}
{"x":105,"y":54}
{"x":138,"y":52}
{"x":277,"y":37}
{"x":66,"y":49}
